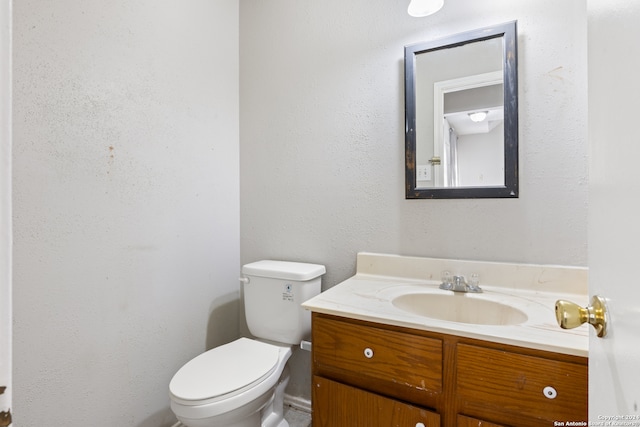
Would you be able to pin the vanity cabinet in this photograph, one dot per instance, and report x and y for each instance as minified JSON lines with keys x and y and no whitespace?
{"x":370,"y":374}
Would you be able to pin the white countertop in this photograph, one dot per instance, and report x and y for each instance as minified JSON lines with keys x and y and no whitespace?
{"x":367,"y":296}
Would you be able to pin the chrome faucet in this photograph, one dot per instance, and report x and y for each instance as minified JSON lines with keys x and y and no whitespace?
{"x":460,"y":284}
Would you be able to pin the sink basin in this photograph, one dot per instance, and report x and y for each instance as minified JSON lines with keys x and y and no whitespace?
{"x":462,"y":308}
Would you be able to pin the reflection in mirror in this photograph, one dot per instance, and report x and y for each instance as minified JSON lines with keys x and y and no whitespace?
{"x":461,"y":124}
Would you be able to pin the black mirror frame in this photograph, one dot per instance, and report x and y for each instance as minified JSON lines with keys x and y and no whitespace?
{"x":508,"y":31}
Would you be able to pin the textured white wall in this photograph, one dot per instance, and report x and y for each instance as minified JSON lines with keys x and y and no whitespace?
{"x":322,"y":141}
{"x":126,"y":204}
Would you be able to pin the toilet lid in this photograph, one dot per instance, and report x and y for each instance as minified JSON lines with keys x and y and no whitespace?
{"x":224,"y":370}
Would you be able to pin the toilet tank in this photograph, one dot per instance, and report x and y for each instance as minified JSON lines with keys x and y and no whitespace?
{"x":273,"y":294}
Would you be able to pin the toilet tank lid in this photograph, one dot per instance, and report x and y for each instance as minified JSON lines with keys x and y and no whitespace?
{"x":286,"y":270}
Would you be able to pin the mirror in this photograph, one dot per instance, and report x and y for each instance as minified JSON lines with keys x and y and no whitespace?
{"x":461,"y":124}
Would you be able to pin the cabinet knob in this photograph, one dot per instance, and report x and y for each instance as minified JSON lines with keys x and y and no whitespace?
{"x":549,"y":392}
{"x":570,"y":315}
{"x":368,"y":353}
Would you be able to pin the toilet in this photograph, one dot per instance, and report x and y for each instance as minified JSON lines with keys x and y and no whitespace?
{"x":242,"y":383}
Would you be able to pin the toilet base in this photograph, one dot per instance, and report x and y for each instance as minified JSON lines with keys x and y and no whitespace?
{"x":273,"y":413}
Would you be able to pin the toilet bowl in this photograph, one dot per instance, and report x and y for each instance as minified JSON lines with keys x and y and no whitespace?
{"x":230,"y":385}
{"x":242,"y":383}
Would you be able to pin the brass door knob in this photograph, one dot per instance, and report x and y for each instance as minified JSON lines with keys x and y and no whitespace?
{"x":571,"y":315}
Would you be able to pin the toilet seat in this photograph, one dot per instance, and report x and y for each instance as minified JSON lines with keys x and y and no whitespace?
{"x":223,"y":372}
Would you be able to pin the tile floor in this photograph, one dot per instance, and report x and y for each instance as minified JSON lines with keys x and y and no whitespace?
{"x":296,"y":417}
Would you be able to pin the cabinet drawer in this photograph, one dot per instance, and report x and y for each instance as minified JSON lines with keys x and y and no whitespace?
{"x":388,"y":362}
{"x":339,"y":405}
{"x":508,"y":387}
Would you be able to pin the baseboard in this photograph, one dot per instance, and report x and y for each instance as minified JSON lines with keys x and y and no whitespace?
{"x":297,"y":402}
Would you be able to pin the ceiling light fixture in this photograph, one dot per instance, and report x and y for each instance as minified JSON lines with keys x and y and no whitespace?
{"x":478,"y":116}
{"x":420,"y":8}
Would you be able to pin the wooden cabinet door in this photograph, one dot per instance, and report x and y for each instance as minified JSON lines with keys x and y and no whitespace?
{"x":474,"y":422}
{"x":339,"y":405}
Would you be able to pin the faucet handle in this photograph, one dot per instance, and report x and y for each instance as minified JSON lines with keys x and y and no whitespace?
{"x":474,"y":283}
{"x":447,"y":281}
